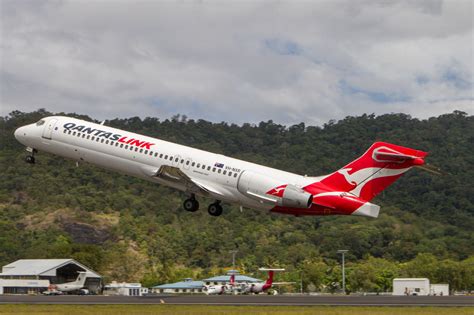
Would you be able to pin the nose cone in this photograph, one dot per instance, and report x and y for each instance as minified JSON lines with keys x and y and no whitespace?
{"x":20,"y":134}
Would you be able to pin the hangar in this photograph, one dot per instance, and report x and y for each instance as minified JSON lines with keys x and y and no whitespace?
{"x":33,"y":276}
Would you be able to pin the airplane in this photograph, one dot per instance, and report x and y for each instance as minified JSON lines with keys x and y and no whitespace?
{"x":347,"y":191}
{"x":259,"y":287}
{"x":220,"y":289}
{"x":77,"y":285}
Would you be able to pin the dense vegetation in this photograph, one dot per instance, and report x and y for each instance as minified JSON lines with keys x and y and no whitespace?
{"x":129,"y":229}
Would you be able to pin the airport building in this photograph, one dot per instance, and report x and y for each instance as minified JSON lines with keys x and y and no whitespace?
{"x":126,"y":289}
{"x":418,"y":286}
{"x":33,"y":276}
{"x":188,"y":285}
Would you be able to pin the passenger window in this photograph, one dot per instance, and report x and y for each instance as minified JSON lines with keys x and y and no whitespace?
{"x":166,"y":157}
{"x":74,"y":133}
{"x":136,"y":149}
{"x":198,"y":165}
{"x":230,"y":173}
{"x":98,"y":139}
{"x":161,"y":155}
{"x":203,"y":167}
{"x":151,"y":153}
{"x":176,"y":159}
{"x":131,"y":148}
{"x":88,"y":137}
{"x":219,"y":171}
{"x":187,"y":162}
{"x":171,"y":158}
{"x":121,"y":145}
{"x":141,"y":150}
{"x":208,"y":168}
{"x":64,"y":131}
{"x":213,"y":169}
{"x":106,"y":141}
{"x":182,"y":161}
{"x":93,"y":138}
{"x":192,"y":164}
{"x":83,"y":135}
{"x":116,"y":144}
{"x":102,"y":140}
{"x":156,"y":154}
{"x":235,"y":175}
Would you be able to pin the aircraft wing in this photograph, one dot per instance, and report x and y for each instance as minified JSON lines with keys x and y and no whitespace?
{"x":174,"y":174}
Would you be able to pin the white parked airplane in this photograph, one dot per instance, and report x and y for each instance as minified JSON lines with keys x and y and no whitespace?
{"x":197,"y":172}
{"x":77,"y":285}
{"x":220,"y":289}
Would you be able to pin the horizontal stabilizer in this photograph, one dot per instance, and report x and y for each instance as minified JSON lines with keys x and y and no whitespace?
{"x":368,"y":210}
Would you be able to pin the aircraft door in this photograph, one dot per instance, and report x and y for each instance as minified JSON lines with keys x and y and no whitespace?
{"x":48,"y":128}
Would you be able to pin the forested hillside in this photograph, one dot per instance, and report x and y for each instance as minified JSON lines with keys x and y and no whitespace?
{"x":129,"y":229}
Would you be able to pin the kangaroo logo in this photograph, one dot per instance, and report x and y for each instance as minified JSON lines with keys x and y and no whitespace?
{"x":277,"y":191}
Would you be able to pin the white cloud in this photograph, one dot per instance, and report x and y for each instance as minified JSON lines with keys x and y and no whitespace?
{"x":237,"y":62}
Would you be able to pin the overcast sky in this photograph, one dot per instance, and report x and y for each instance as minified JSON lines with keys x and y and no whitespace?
{"x":237,"y":61}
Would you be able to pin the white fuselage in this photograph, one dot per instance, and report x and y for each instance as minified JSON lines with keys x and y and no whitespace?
{"x":99,"y":145}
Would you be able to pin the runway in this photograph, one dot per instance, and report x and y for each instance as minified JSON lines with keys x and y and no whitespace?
{"x":263,"y":300}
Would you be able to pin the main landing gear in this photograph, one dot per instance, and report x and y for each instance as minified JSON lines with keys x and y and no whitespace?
{"x":215,"y":209}
{"x":30,"y":159}
{"x":192,"y":205}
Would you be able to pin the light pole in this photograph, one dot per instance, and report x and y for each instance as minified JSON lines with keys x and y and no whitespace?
{"x":343,"y":252}
{"x":233,"y":257}
{"x":301,"y":283}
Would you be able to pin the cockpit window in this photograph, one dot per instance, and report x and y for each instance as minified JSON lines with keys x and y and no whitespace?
{"x":40,"y":122}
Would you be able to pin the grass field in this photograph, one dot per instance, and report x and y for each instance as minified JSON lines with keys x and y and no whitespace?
{"x":228,"y":310}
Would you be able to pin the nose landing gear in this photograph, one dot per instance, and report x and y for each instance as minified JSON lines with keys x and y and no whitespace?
{"x":30,"y":159}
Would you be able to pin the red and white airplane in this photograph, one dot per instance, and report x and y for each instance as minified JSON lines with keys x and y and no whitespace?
{"x":259,"y":287}
{"x":347,"y":191}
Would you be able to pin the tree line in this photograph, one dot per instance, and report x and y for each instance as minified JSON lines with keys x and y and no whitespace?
{"x":132,"y":230}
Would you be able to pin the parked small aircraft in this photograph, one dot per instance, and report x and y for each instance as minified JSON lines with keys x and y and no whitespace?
{"x":77,"y":285}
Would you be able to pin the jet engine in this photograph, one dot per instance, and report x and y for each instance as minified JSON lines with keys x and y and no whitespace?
{"x":269,"y":190}
{"x":295,"y":197}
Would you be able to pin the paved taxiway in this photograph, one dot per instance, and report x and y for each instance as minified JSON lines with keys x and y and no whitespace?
{"x":247,"y":300}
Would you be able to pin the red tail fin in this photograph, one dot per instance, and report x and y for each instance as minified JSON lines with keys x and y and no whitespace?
{"x":381,"y":165}
{"x":270,"y":278}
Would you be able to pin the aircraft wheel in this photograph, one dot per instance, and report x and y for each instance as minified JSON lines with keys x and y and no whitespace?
{"x":191,"y":205}
{"x":30,"y":159}
{"x":214,"y":209}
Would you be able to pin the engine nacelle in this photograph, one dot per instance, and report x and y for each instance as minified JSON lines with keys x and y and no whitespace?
{"x":272,"y":191}
{"x":295,"y":197}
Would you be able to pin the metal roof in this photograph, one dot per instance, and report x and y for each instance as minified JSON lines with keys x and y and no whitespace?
{"x":37,"y":267}
{"x":187,"y":284}
{"x":238,"y":278}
